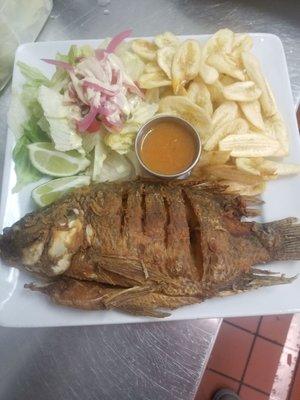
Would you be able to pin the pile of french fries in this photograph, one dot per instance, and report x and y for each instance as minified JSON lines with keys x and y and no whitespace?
{"x":219,"y":88}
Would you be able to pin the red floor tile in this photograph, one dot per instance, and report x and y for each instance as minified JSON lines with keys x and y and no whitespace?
{"x":295,"y":392}
{"x":248,"y":323}
{"x":247,"y":393}
{"x":231,"y":351}
{"x":263,"y":365}
{"x":213,"y":381}
{"x":275,"y":327}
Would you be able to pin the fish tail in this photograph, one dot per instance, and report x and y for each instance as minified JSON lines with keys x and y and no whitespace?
{"x":284,"y":236}
{"x":254,"y":279}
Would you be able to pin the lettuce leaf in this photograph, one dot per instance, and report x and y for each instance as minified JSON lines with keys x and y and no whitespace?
{"x":17,"y":114}
{"x":120,"y":142}
{"x":33,"y":75}
{"x":116,"y":168}
{"x":100,"y":154}
{"x":34,"y":133}
{"x":75,"y":53}
{"x":34,"y":80}
{"x":59,"y":116}
{"x":25,"y":171}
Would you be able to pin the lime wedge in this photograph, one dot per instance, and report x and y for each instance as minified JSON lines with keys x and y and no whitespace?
{"x":51,"y":162}
{"x":48,"y":192}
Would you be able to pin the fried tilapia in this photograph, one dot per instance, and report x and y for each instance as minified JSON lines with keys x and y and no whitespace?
{"x":143,"y":247}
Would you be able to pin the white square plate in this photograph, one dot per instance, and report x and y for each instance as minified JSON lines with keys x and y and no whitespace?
{"x":20,"y":307}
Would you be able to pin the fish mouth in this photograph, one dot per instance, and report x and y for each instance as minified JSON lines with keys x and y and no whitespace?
{"x":9,"y":251}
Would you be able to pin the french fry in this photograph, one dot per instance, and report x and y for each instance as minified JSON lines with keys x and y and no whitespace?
{"x":186,"y":63}
{"x":220,"y":42}
{"x":237,"y":126}
{"x":144,"y":48}
{"x":276,"y":129}
{"x":227,"y":111}
{"x":243,"y":189}
{"x":268,"y":169}
{"x":272,"y":167}
{"x":242,"y":91}
{"x":254,"y":72}
{"x":216,"y":92}
{"x":152,"y":95}
{"x":230,"y":173}
{"x":241,"y":42}
{"x":252,"y":112}
{"x":167,"y":39}
{"x":223,"y":64}
{"x":165,"y":57}
{"x":226,"y":80}
{"x":152,"y":67}
{"x":184,"y":108}
{"x":199,"y":94}
{"x":249,"y":145}
{"x":165,"y":91}
{"x":153,"y":79}
{"x":250,"y":165}
{"x":209,"y":74}
{"x":212,"y":158}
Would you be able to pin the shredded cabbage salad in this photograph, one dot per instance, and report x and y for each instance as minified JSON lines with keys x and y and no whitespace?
{"x":91,"y":107}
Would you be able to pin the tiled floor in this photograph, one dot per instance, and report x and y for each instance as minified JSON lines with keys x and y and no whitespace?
{"x":257,"y":357}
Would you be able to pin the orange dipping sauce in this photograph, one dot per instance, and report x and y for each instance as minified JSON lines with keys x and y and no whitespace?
{"x":168,"y":148}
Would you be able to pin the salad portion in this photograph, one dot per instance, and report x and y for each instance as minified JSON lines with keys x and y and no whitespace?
{"x":81,"y":122}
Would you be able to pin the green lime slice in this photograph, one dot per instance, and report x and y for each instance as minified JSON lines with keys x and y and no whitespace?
{"x":51,"y":162}
{"x":48,"y":192}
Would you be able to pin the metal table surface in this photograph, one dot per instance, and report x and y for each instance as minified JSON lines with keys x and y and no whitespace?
{"x":162,"y":360}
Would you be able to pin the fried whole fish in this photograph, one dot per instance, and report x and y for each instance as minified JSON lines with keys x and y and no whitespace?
{"x":141,"y":247}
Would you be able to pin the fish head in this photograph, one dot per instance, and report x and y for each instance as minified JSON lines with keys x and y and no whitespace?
{"x":45,"y":241}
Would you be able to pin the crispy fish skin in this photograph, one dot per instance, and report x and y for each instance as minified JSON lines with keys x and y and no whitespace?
{"x":142,"y":246}
{"x":86,"y":295}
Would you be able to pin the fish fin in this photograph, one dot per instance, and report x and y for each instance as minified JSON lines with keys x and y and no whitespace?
{"x":254,"y":280}
{"x":74,"y":293}
{"x":118,"y":298}
{"x":130,"y":268}
{"x":252,"y":200}
{"x":154,"y":304}
{"x":282,"y":238}
{"x":252,"y":212}
{"x":43,"y":288}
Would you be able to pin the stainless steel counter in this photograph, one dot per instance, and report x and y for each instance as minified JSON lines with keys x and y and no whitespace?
{"x":162,"y":360}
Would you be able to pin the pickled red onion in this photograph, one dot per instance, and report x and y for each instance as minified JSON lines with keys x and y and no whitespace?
{"x":113,"y":44}
{"x":118,"y":39}
{"x":84,"y":124}
{"x":116,"y":127}
{"x":99,"y":88}
{"x":102,"y":110}
{"x":60,"y":64}
{"x":116,"y":77}
{"x":94,"y":127}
